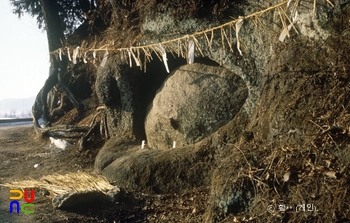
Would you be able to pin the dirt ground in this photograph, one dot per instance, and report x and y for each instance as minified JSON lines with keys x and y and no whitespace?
{"x":21,"y":150}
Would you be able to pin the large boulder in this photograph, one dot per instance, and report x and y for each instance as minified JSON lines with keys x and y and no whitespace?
{"x":117,"y":89}
{"x":195,"y":101}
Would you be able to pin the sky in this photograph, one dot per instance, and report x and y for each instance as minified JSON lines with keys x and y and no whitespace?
{"x":24,"y":55}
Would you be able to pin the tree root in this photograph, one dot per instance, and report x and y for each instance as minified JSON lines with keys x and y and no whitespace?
{"x":62,"y":131}
{"x":102,"y":124}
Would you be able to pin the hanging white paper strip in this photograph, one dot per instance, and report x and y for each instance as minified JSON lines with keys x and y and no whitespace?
{"x":130,"y":60}
{"x":94,"y":54}
{"x":60,"y":54}
{"x":285,"y":33}
{"x":190,"y":52}
{"x":239,"y":24}
{"x":295,"y":16}
{"x":75,"y":54}
{"x":104,"y":60}
{"x":69,"y":58}
{"x":84,"y":58}
{"x":133,"y":55}
{"x":165,"y":59}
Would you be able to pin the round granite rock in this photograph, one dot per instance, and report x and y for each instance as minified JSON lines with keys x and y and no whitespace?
{"x":195,"y":101}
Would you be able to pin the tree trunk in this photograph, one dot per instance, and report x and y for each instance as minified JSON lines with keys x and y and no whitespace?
{"x":55,"y":36}
{"x":53,"y":24}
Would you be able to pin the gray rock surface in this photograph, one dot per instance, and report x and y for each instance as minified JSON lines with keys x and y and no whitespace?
{"x":84,"y":199}
{"x":195,"y":101}
{"x":116,"y":88}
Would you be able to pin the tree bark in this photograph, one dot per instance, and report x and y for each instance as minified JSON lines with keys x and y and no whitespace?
{"x":54,"y":31}
{"x":55,"y":35}
{"x":53,"y":25}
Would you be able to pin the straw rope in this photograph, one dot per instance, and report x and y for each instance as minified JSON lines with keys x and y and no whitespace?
{"x":179,"y":46}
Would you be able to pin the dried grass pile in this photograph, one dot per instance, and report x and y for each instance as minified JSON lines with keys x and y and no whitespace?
{"x":292,"y":178}
{"x":287,"y":184}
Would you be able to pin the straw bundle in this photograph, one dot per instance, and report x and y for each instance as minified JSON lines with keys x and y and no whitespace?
{"x":58,"y":184}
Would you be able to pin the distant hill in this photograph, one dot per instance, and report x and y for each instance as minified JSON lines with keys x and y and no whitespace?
{"x":16,"y":108}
